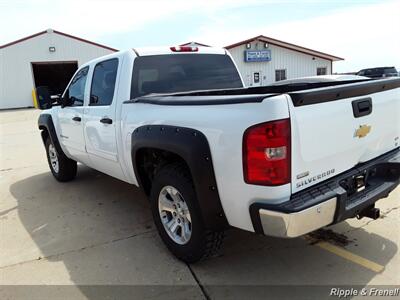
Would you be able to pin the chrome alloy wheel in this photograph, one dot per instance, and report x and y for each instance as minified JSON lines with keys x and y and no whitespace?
{"x":174,"y":214}
{"x":53,"y":158}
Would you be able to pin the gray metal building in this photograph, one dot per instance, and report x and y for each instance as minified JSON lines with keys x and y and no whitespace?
{"x":48,"y":58}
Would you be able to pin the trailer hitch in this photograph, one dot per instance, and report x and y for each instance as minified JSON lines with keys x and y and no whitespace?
{"x":370,"y":212}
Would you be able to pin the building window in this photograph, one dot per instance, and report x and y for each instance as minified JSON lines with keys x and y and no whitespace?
{"x":280,"y":75}
{"x":321,"y":71}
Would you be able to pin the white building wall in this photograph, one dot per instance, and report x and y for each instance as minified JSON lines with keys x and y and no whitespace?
{"x":1,"y":77}
{"x":16,"y":77}
{"x":297,"y":64}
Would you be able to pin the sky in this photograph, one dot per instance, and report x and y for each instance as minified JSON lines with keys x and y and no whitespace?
{"x":366,"y":33}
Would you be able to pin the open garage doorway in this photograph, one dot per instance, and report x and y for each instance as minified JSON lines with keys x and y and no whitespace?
{"x":53,"y":76}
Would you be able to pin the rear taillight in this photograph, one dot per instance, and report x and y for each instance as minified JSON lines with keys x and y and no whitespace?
{"x":266,"y":153}
{"x":184,"y":49}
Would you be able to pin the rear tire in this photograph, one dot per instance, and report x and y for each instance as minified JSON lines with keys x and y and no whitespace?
{"x":196,"y":242}
{"x":62,"y":168}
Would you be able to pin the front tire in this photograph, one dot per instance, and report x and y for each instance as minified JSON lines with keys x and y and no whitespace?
{"x":177,"y":216}
{"x":62,"y":168}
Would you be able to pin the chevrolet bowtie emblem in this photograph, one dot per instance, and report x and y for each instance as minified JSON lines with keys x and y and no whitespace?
{"x":362,"y":131}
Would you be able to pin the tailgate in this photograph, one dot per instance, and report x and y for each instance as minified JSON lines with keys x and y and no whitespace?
{"x":336,"y":128}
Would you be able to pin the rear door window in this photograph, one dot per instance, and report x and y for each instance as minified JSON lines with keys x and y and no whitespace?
{"x":390,"y":71}
{"x":103,"y":82}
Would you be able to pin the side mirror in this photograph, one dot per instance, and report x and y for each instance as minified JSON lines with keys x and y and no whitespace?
{"x":44,"y":99}
{"x":64,"y":101}
{"x":56,"y":99}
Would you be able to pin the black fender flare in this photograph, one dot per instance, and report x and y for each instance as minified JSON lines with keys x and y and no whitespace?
{"x":192,"y":146}
{"x":45,"y":122}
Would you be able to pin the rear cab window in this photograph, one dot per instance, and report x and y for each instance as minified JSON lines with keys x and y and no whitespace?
{"x":103,"y":82}
{"x":183,"y":72}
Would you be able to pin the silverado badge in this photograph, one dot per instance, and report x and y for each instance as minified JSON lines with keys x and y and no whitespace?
{"x":362,"y":131}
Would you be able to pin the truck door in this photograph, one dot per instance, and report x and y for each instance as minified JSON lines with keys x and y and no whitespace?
{"x":71,"y":117}
{"x":100,"y":119}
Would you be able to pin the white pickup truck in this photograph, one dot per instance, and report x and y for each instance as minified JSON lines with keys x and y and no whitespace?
{"x":280,"y":160}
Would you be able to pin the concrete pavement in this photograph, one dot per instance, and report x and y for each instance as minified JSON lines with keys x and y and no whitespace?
{"x":97,"y":230}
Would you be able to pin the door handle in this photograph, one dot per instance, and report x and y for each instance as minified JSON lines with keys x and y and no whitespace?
{"x":77,"y":119}
{"x":362,"y":107}
{"x":106,"y":120}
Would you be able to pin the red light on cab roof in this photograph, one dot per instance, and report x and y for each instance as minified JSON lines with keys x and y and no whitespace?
{"x":184,"y":49}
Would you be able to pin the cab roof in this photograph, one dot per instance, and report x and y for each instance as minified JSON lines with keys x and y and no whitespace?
{"x":148,"y":51}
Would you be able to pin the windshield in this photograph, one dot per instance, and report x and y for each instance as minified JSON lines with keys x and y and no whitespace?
{"x":183,"y":72}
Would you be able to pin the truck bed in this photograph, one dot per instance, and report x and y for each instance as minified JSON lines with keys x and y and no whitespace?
{"x":325,"y":120}
{"x":300,"y":93}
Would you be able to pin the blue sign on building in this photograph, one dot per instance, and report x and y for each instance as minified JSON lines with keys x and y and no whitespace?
{"x":257,"y":55}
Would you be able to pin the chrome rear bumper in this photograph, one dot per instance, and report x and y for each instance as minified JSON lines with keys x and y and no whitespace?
{"x":298,"y":223}
{"x":331,"y":201}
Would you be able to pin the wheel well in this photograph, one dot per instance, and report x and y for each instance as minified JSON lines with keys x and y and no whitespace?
{"x":150,"y":160}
